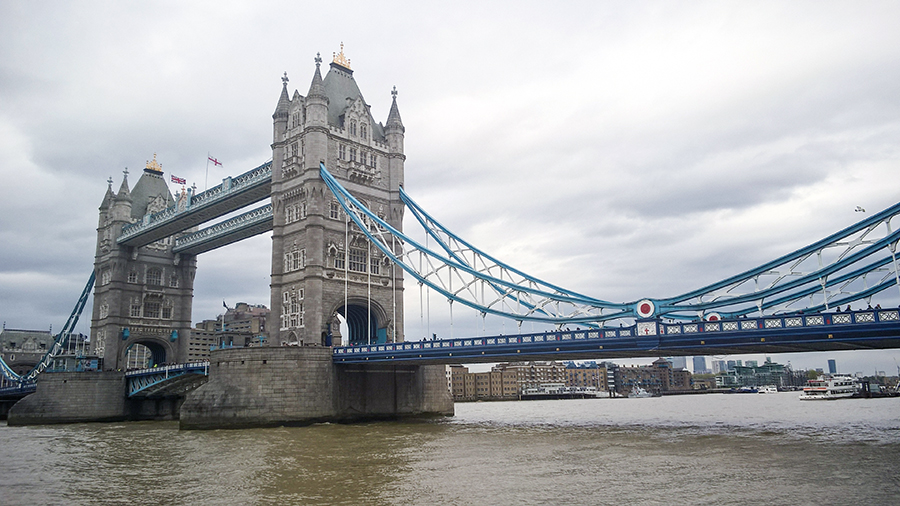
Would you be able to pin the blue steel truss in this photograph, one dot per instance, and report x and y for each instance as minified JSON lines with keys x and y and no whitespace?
{"x":57,"y":346}
{"x":850,"y":265}
{"x":167,"y":380}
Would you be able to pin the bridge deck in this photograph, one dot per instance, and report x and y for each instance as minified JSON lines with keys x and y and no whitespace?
{"x":876,"y":329}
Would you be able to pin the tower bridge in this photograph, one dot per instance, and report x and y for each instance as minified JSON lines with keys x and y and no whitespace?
{"x":336,"y":204}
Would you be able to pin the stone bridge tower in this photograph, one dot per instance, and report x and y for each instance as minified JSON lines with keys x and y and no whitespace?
{"x":142,"y":295}
{"x":321,"y":265}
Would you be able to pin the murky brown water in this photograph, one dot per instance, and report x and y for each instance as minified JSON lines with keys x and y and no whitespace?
{"x":707,"y":449}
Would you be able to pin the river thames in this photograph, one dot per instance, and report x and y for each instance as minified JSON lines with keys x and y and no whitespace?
{"x":697,"y":449}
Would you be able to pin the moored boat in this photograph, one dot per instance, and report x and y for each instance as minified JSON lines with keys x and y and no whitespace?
{"x":768,"y":389}
{"x":838,"y":386}
{"x":639,"y":393}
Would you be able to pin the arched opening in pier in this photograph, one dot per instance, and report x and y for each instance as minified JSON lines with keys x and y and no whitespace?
{"x":144,"y":354}
{"x":363,"y":324}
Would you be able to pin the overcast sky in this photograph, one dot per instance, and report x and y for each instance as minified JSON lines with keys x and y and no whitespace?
{"x":618,"y":149}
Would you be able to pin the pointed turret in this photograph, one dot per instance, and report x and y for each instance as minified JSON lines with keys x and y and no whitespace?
{"x":284,"y":101}
{"x":124,"y":194}
{"x":317,"y":100}
{"x":394,"y":130}
{"x":120,"y":207}
{"x":109,"y":196}
{"x":394,"y":122}
{"x":317,"y":87}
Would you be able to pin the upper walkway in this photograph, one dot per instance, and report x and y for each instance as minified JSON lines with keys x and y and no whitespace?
{"x":233,"y":194}
{"x":869,"y":329}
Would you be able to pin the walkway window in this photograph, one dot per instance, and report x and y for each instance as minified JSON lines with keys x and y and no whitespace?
{"x":352,"y":154}
{"x":342,"y":152}
{"x":352,"y":127}
{"x":135,"y":311}
{"x":374,"y":265}
{"x":362,"y":131}
{"x":173,"y":281}
{"x":167,"y":313}
{"x":133,"y":277}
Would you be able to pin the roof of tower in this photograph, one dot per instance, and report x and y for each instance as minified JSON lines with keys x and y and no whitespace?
{"x":150,"y":188}
{"x":339,"y":87}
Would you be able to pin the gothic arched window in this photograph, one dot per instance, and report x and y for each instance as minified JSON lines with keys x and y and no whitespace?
{"x":154,"y":277}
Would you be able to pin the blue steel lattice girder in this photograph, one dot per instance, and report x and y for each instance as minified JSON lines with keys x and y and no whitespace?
{"x":56,"y":348}
{"x":386,"y":238}
{"x":759,"y":296}
{"x":788,"y":276}
{"x":434,"y":228}
{"x":787,"y":291}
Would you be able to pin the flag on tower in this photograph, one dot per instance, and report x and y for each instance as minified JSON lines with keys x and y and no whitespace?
{"x":178,"y":180}
{"x":214,"y":161}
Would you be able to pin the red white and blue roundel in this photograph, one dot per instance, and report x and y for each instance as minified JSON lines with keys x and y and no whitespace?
{"x":713,"y":317}
{"x":646,"y":308}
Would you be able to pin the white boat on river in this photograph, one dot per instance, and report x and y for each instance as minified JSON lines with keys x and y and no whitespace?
{"x":838,"y":386}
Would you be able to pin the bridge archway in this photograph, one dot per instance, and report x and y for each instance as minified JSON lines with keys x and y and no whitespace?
{"x":366,"y":322}
{"x":143,"y":352}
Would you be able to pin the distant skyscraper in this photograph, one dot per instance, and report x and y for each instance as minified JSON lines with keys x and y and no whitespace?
{"x":752,"y":363}
{"x":699,"y":365}
{"x":832,"y":366}
{"x":678,"y":362}
{"x":719,"y":366}
{"x":729,"y":366}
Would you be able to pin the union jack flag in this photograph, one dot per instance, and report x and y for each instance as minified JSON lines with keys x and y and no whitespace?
{"x":179,"y":180}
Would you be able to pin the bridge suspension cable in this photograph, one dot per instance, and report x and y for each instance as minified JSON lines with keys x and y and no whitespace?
{"x":57,"y":346}
{"x":464,"y":274}
{"x":850,"y":265}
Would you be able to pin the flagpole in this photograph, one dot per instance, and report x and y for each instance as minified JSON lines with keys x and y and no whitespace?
{"x":206,"y":181}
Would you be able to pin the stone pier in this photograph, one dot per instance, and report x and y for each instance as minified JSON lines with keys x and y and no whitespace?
{"x":72,"y":397}
{"x":273,"y":386}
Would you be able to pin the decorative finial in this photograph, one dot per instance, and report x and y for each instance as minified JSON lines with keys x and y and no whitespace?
{"x":154,"y":166}
{"x":394,"y":93}
{"x":318,"y":59}
{"x":110,"y":181}
{"x":340,"y":59}
{"x":125,"y":172}
{"x":284,"y":80}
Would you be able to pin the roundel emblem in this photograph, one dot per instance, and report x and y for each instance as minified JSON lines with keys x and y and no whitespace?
{"x":713,"y":317}
{"x":646,"y":308}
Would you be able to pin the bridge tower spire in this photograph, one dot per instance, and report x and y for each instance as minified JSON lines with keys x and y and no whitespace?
{"x":321,"y":266}
{"x":142,"y":296}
